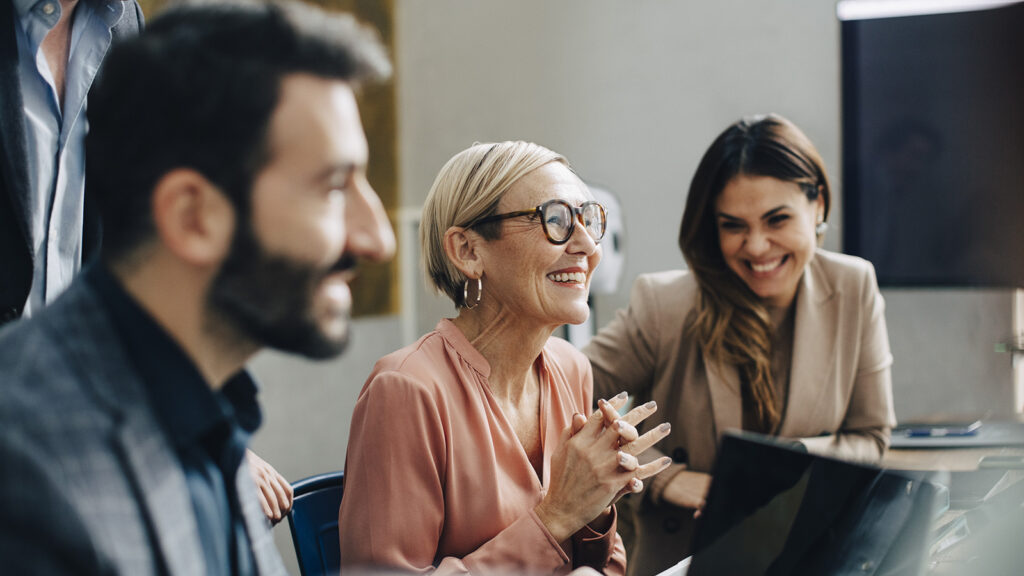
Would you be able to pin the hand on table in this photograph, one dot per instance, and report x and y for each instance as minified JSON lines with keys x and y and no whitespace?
{"x":688,"y":489}
{"x":275,"y":493}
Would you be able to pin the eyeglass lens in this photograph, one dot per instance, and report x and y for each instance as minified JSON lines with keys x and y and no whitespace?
{"x":559,"y":220}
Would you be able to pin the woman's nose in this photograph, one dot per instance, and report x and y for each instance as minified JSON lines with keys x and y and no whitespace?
{"x":757,"y":242}
{"x":581,"y":240}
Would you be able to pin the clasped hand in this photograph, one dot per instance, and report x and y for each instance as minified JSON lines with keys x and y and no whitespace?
{"x":596,"y":464}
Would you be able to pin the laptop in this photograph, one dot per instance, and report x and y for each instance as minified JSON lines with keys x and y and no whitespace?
{"x":774,"y":509}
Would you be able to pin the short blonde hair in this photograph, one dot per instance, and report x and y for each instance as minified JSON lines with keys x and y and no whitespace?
{"x":468,"y":188}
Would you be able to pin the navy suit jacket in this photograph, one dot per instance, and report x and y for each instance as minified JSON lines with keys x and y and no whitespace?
{"x":16,"y":258}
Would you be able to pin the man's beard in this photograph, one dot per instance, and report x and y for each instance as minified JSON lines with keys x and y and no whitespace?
{"x":269,"y":298}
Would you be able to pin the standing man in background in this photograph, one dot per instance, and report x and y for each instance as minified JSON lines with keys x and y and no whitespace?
{"x":228,"y":162}
{"x":50,"y":52}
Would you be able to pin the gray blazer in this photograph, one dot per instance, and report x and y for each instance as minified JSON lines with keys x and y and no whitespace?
{"x":16,"y":266}
{"x":840,"y":386}
{"x":89,"y":483}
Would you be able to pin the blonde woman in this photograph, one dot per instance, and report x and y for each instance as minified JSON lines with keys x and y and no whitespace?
{"x":764,"y":332}
{"x":475,"y":449}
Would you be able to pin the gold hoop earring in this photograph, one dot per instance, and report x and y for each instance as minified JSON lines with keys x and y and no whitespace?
{"x":465,"y":293}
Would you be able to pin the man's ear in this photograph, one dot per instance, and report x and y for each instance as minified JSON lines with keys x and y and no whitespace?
{"x":463,"y":249}
{"x":192,"y":217}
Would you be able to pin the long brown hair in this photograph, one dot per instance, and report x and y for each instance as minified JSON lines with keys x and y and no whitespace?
{"x":732,"y":322}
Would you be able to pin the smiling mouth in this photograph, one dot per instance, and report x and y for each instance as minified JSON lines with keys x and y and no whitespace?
{"x":765,"y":267}
{"x":337,"y":292}
{"x":568,"y":277}
{"x":344,"y":269}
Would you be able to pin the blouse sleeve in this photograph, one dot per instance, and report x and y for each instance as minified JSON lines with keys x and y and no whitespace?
{"x":602,"y":552}
{"x":866,"y":429}
{"x":393,"y":510}
{"x":623,"y":353}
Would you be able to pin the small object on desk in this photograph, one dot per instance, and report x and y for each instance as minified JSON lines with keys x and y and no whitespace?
{"x":942,"y":430}
{"x":958,"y":434}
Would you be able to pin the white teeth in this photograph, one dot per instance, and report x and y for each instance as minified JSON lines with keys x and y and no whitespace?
{"x":766,"y":267}
{"x":574,"y":277}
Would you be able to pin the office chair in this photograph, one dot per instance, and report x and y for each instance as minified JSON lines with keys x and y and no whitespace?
{"x":314,"y":523}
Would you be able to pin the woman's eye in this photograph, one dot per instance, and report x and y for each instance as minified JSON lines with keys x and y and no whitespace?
{"x":729,"y":226}
{"x":778,"y":219}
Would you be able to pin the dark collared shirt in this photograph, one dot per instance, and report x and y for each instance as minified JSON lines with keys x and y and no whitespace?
{"x":208,"y":429}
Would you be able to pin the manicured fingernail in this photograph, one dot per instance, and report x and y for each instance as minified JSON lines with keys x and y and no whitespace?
{"x":636,"y":484}
{"x":620,"y":425}
{"x":621,"y":396}
{"x":665,"y":461}
{"x":665,"y":427}
{"x":623,"y":459}
{"x":651,"y":405}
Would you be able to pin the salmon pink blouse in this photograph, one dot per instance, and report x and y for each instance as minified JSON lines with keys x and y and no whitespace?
{"x":436,"y":478}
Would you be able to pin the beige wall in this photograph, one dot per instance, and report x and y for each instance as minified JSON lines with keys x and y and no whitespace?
{"x":631,"y":92}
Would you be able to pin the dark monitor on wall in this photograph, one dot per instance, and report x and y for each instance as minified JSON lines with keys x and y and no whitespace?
{"x":933,"y":140}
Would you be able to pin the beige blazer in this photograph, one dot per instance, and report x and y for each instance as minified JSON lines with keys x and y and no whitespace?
{"x":839,"y":399}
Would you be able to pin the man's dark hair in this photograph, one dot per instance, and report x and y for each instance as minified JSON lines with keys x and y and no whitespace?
{"x":197,"y":90}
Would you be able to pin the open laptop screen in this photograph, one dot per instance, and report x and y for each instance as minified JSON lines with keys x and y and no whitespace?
{"x":776,"y":510}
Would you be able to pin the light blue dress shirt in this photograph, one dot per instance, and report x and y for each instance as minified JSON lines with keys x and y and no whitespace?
{"x":56,"y":135}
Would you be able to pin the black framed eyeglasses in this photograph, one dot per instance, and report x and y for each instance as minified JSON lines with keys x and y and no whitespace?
{"x":558,"y":219}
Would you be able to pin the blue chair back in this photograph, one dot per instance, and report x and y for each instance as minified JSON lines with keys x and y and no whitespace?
{"x":314,"y":523}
